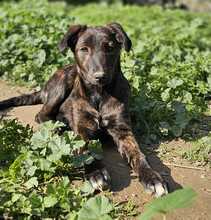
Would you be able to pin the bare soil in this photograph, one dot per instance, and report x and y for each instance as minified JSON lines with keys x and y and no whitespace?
{"x":196,"y":5}
{"x":125,"y":185}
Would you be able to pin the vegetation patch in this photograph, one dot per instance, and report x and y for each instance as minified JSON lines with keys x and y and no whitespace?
{"x":169,"y":68}
{"x":38,"y":182}
{"x":169,"y":71}
{"x":200,"y":152}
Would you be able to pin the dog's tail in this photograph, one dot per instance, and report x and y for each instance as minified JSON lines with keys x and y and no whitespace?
{"x":28,"y":99}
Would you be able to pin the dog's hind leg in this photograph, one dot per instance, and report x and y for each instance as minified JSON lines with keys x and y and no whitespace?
{"x":54,"y":93}
{"x":56,"y":90}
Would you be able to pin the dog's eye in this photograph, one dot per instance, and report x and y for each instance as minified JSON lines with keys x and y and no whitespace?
{"x":84,"y":49}
{"x":108,"y":48}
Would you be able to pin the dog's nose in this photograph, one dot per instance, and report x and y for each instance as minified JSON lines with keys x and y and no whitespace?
{"x":99,"y":75}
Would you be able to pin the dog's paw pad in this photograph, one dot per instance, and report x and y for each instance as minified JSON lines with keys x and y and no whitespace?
{"x":157,"y":189}
{"x":100,"y":179}
{"x":154,"y":184}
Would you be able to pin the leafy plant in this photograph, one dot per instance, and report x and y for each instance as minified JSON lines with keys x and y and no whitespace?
{"x":96,"y":208}
{"x":13,"y":136}
{"x":29,"y":36}
{"x":200,"y":152}
{"x":179,"y":199}
{"x":38,"y":182}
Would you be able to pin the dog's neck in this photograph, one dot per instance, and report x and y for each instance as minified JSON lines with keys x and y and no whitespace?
{"x":95,"y":93}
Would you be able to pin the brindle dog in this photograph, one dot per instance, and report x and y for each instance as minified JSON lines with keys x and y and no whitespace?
{"x":92,"y":95}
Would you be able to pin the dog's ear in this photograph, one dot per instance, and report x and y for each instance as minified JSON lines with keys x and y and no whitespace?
{"x":71,"y":37}
{"x":121,"y":35}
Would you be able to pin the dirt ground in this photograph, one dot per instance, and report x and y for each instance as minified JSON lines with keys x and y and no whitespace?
{"x":125,"y":185}
{"x":196,"y":5}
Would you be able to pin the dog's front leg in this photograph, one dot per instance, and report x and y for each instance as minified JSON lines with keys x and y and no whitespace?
{"x":128,"y":148}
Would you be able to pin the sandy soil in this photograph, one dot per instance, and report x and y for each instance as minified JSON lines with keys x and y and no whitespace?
{"x":196,"y":5}
{"x":125,"y":185}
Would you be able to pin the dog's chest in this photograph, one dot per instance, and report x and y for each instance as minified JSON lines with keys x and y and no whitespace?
{"x":96,"y":100}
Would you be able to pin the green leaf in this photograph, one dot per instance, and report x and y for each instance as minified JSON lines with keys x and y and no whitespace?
{"x":81,"y":160}
{"x":65,"y":181}
{"x":40,"y":139}
{"x":72,"y":216}
{"x":41,"y":56}
{"x":174,"y":83}
{"x":176,"y":130}
{"x":31,"y":183}
{"x":87,"y":188}
{"x":31,"y":170}
{"x":15,"y":197}
{"x":36,"y":200}
{"x":15,"y":168}
{"x":44,"y":164}
{"x":96,"y":208}
{"x":50,"y":201}
{"x":165,"y":95}
{"x":179,"y":199}
{"x":77,"y":144}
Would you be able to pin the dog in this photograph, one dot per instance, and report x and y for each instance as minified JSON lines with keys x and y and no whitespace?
{"x":92,"y":96}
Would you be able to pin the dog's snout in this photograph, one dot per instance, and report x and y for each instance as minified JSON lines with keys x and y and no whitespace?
{"x":99,"y":75}
{"x":101,"y":78}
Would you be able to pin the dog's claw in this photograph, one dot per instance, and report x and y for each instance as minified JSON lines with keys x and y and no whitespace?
{"x":106,"y":175}
{"x":157,"y":189}
{"x":100,"y":179}
{"x":154,"y":184}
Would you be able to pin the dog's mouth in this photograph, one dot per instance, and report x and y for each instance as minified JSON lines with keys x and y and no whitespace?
{"x":103,"y":81}
{"x":98,"y":80}
{"x":101,"y":78}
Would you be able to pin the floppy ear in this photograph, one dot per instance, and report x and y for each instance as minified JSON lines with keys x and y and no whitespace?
{"x":121,"y":35}
{"x":71,"y":37}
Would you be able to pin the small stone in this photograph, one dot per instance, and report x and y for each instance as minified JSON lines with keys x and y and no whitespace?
{"x":202,"y":176}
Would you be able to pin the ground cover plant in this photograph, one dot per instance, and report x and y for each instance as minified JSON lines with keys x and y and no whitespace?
{"x":169,"y":71}
{"x":178,"y":199}
{"x":200,"y":152}
{"x":37,"y":182}
{"x":30,"y":31}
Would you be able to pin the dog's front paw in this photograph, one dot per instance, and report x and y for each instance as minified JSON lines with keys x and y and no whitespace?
{"x":153,"y":182}
{"x":99,"y":179}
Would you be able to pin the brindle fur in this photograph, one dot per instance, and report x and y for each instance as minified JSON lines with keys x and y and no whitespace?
{"x":92,"y":95}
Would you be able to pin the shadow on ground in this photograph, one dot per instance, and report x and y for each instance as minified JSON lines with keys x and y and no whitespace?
{"x":121,"y":173}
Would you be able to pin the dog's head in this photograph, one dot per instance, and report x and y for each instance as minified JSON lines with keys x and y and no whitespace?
{"x":97,"y":50}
